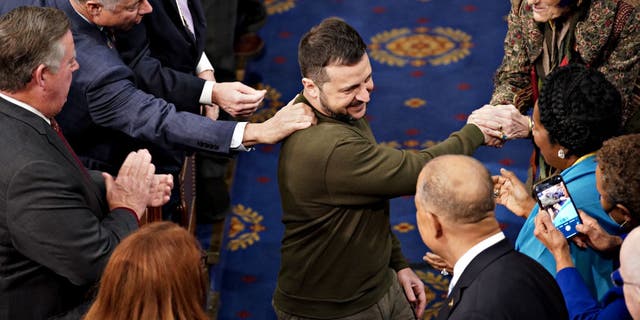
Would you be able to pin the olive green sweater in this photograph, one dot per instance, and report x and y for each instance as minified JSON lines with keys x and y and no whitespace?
{"x":335,"y":184}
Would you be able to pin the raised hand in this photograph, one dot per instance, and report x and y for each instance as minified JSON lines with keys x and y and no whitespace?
{"x":131,"y":188}
{"x":510,"y":192}
{"x":553,"y":239}
{"x":160,"y":190}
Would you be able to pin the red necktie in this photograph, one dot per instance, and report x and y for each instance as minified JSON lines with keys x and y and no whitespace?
{"x":56,"y":128}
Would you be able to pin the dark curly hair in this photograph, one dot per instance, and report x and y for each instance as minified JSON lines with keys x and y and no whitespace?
{"x":619,"y":162}
{"x":579,"y":108}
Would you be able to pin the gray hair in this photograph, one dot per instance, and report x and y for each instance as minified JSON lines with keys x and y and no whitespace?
{"x":30,"y":36}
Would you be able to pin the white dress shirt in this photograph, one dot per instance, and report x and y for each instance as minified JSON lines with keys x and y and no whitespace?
{"x":468,"y":256}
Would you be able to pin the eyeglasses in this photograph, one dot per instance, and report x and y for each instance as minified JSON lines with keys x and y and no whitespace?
{"x":617,"y":280}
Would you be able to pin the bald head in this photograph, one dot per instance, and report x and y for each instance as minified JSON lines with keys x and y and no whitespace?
{"x":456,"y":187}
{"x":630,"y":257}
{"x":630,"y":271}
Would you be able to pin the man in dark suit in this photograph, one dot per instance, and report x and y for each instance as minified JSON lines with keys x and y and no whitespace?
{"x":455,"y":216}
{"x":166,"y":54}
{"x":59,"y":222}
{"x":106,"y":114}
{"x":175,"y":35}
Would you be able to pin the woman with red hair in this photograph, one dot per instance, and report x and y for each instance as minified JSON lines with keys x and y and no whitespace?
{"x":155,"y":273}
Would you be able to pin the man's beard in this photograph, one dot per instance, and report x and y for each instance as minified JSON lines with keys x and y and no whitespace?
{"x":331,"y":114}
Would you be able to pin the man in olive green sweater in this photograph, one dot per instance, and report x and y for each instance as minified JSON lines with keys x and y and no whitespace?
{"x":340,"y":258}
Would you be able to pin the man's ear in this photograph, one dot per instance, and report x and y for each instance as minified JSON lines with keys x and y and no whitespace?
{"x":436,"y":224}
{"x":39,"y":74}
{"x":310,"y":88}
{"x":93,"y":7}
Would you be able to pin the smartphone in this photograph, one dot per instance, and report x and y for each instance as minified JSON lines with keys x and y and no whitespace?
{"x":554,"y":198}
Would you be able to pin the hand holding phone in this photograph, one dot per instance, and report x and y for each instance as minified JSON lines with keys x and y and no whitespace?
{"x":554,"y":198}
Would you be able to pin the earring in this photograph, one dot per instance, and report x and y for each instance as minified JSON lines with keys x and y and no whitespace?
{"x":623,"y":224}
{"x":561,"y":154}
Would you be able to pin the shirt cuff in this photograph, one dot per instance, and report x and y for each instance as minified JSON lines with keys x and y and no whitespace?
{"x":207,"y":92}
{"x":204,"y":64}
{"x":236,"y":139}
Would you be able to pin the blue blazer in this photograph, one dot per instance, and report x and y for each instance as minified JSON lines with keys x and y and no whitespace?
{"x":162,"y":41}
{"x":582,"y":305}
{"x":501,"y":283}
{"x":106,"y":115}
{"x":56,"y":230}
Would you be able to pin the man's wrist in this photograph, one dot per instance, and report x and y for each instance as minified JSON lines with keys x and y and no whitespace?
{"x":206,"y":97}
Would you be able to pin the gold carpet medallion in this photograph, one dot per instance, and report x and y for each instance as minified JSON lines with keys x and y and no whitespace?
{"x":278,"y":6}
{"x":415,"y":103}
{"x":244,"y":228}
{"x":436,"y":287}
{"x":269,"y":106}
{"x":404,"y":227}
{"x":420,"y":46}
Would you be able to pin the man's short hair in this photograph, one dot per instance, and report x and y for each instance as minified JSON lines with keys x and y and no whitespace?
{"x":457,"y":187}
{"x":30,"y":36}
{"x":333,"y":41}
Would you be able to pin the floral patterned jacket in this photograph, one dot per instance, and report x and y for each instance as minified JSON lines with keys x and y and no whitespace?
{"x":524,"y":41}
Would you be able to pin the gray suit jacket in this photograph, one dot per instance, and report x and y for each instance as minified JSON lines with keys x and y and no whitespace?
{"x":56,"y":232}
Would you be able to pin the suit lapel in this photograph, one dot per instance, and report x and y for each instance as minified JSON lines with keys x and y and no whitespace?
{"x":479,"y":263}
{"x":41,"y":127}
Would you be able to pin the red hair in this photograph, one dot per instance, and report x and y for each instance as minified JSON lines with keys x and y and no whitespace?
{"x":155,"y":273}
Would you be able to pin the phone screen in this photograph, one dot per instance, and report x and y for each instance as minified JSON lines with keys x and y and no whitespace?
{"x":554,"y":198}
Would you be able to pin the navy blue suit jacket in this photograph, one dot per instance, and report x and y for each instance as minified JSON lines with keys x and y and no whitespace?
{"x":501,"y":283}
{"x":106,"y":115}
{"x":56,"y":230}
{"x":175,"y":51}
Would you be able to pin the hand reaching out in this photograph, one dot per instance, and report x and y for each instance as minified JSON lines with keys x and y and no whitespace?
{"x":500,"y":123}
{"x":510,"y":192}
{"x":290,"y":118}
{"x":437,"y":262}
{"x":237,"y":99}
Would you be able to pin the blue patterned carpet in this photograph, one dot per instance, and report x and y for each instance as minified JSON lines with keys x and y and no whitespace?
{"x":433,"y":62}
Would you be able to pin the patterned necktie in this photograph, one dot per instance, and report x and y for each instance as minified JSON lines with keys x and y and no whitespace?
{"x":185,"y":15}
{"x":110,"y":37}
{"x":56,"y":128}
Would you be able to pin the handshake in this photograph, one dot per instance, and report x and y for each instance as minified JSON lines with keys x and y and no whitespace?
{"x":500,"y":123}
